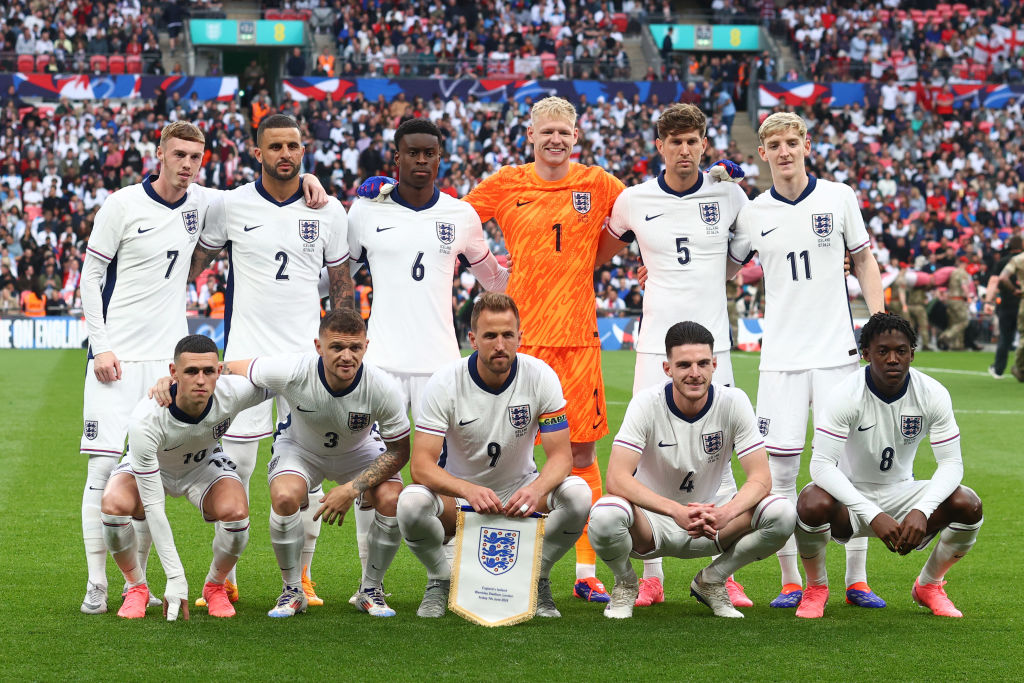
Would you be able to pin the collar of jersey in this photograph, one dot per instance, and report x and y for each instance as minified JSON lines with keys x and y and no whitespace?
{"x":266,"y":195}
{"x":401,"y":202}
{"x":678,"y":413}
{"x":882,"y":397}
{"x":180,"y":415}
{"x":668,"y":190}
{"x":811,"y":182}
{"x":344,"y":392}
{"x":475,"y":375}
{"x":147,"y":185}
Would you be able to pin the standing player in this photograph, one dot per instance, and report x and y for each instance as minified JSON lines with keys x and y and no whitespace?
{"x":483,"y":414}
{"x":801,"y":230}
{"x":874,"y":422}
{"x":276,"y":248}
{"x":174,"y":450}
{"x":411,"y":240}
{"x":552,"y":214}
{"x":664,"y":472}
{"x":681,"y":221}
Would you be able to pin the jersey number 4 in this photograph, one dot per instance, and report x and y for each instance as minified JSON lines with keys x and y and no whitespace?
{"x":687,"y":484}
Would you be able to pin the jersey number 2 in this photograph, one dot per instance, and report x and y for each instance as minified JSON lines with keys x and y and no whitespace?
{"x":283,"y":258}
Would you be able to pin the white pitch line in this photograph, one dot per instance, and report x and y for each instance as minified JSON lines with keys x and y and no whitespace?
{"x":949,"y":371}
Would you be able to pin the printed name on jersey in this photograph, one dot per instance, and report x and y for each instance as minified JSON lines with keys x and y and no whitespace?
{"x":710,"y":213}
{"x":519,"y":417}
{"x":498,"y":549}
{"x":581,"y":202}
{"x":309,"y":230}
{"x":713,"y":444}
{"x":92,"y":429}
{"x":191,"y":219}
{"x":910,"y":425}
{"x":762,"y":425}
{"x":221,"y":429}
{"x":358,"y":421}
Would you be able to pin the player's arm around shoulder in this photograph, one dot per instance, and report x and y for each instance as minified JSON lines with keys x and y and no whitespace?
{"x":213,"y":237}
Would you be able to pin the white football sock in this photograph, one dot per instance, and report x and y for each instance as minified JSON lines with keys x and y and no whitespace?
{"x":98,"y":473}
{"x":774,"y":518}
{"x":856,"y":561}
{"x":784,"y":470}
{"x":286,"y":537}
{"x":145,"y":543}
{"x":229,"y":540}
{"x":812,"y":542}
{"x":653,"y":569}
{"x":608,"y":531}
{"x":119,"y":538}
{"x":422,"y":530}
{"x":310,"y":529}
{"x":383,"y":540}
{"x":244,"y":455}
{"x":954,"y":542}
{"x":570,"y":505}
{"x":364,"y":522}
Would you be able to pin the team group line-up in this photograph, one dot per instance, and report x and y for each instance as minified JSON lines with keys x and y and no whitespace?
{"x":344,"y":390}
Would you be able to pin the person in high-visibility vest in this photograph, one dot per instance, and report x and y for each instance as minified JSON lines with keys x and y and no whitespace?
{"x":33,"y":304}
{"x":325,"y":63}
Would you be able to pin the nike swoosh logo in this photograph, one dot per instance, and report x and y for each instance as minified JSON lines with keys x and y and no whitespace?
{"x":765,"y":233}
{"x":665,"y":445}
{"x":93,"y":488}
{"x":463,"y":423}
{"x":864,"y":429}
{"x":519,"y":203}
{"x":173,"y":447}
{"x":595,"y":426}
{"x":651,"y":218}
{"x":249,"y":228}
{"x":141,"y":231}
{"x":380,"y":229}
{"x":303,"y":410}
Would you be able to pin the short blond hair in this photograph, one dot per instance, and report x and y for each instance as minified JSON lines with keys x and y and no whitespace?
{"x":557,"y":108}
{"x":181,"y":130}
{"x":780,"y":122}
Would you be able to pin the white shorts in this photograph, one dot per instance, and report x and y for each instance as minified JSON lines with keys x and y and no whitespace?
{"x":504,"y":494}
{"x":107,"y":406}
{"x":194,"y":485}
{"x":783,"y":402}
{"x":669,"y":538}
{"x":649,"y":372}
{"x":257,"y":422}
{"x":896,"y":500}
{"x":291,"y":458}
{"x":412,"y":385}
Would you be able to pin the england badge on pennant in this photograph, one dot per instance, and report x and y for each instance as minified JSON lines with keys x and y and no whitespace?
{"x":498,"y":549}
{"x":358,"y":421}
{"x":309,"y":230}
{"x":910,"y":425}
{"x":581,"y":201}
{"x":709,"y":212}
{"x":191,"y":219}
{"x":446,"y":232}
{"x":821,"y":223}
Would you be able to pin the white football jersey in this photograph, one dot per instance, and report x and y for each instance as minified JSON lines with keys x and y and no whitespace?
{"x":880,"y":436}
{"x":147,"y":245}
{"x":801,"y":246}
{"x":684,"y":241}
{"x":168,"y":440}
{"x":275,"y":253}
{"x":324,"y":422}
{"x":411,"y":253}
{"x":489,"y":433}
{"x":683,"y":458}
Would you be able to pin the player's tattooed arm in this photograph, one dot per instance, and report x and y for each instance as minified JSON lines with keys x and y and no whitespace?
{"x":341,"y":289}
{"x":202,"y":257}
{"x":384,"y":467}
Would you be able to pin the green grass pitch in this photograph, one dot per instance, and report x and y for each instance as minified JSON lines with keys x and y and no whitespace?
{"x":43,"y":569}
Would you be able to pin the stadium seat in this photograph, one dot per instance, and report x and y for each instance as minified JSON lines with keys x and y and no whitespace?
{"x":272,"y":15}
{"x":897,"y":55}
{"x":391,"y":66}
{"x":961,"y":71}
{"x":26,"y":64}
{"x":133,"y":64}
{"x":985,"y":126}
{"x":979,"y":72}
{"x":42,"y":62}
{"x":116,"y":64}
{"x":943,"y":7}
{"x":549,"y":64}
{"x":98,"y":64}
{"x":883,"y":15}
{"x":304,"y":14}
{"x":901,"y":14}
{"x":620,"y":21}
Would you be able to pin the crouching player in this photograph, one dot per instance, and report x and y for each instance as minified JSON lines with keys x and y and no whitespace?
{"x":482,"y":415}
{"x":666,"y":464}
{"x":175,"y":451}
{"x":877,"y":418}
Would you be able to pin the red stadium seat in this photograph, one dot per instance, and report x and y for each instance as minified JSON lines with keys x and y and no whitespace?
{"x":391,"y":66}
{"x":979,"y":72}
{"x":961,"y":71}
{"x":26,"y":64}
{"x":116,"y":64}
{"x":549,"y":64}
{"x":98,"y":63}
{"x":42,"y":61}
{"x":897,"y":55}
{"x":304,"y":14}
{"x":985,"y":126}
{"x":620,"y":21}
{"x":944,"y":7}
{"x":133,"y":64}
{"x":883,"y":15}
{"x":901,"y":14}
{"x":272,"y":15}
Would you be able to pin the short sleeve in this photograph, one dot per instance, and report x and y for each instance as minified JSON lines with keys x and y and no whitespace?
{"x":833,"y":425}
{"x":854,"y":231}
{"x":635,"y":429}
{"x":550,"y":400}
{"x":355,"y":228}
{"x":747,"y":437}
{"x":215,"y":232}
{"x":391,"y":416}
{"x":620,"y":223}
{"x":435,"y":403}
{"x":107,"y":230}
{"x":739,"y":245}
{"x":274,"y":373}
{"x":337,"y":250}
{"x":476,"y":246}
{"x":612,"y":190}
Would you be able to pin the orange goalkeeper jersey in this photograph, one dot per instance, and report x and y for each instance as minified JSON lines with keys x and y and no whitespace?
{"x":552,"y":231}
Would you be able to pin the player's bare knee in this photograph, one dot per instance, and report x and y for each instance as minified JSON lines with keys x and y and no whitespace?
{"x":814,"y":506}
{"x":965,"y":506}
{"x":234,"y":512}
{"x":385,"y":498}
